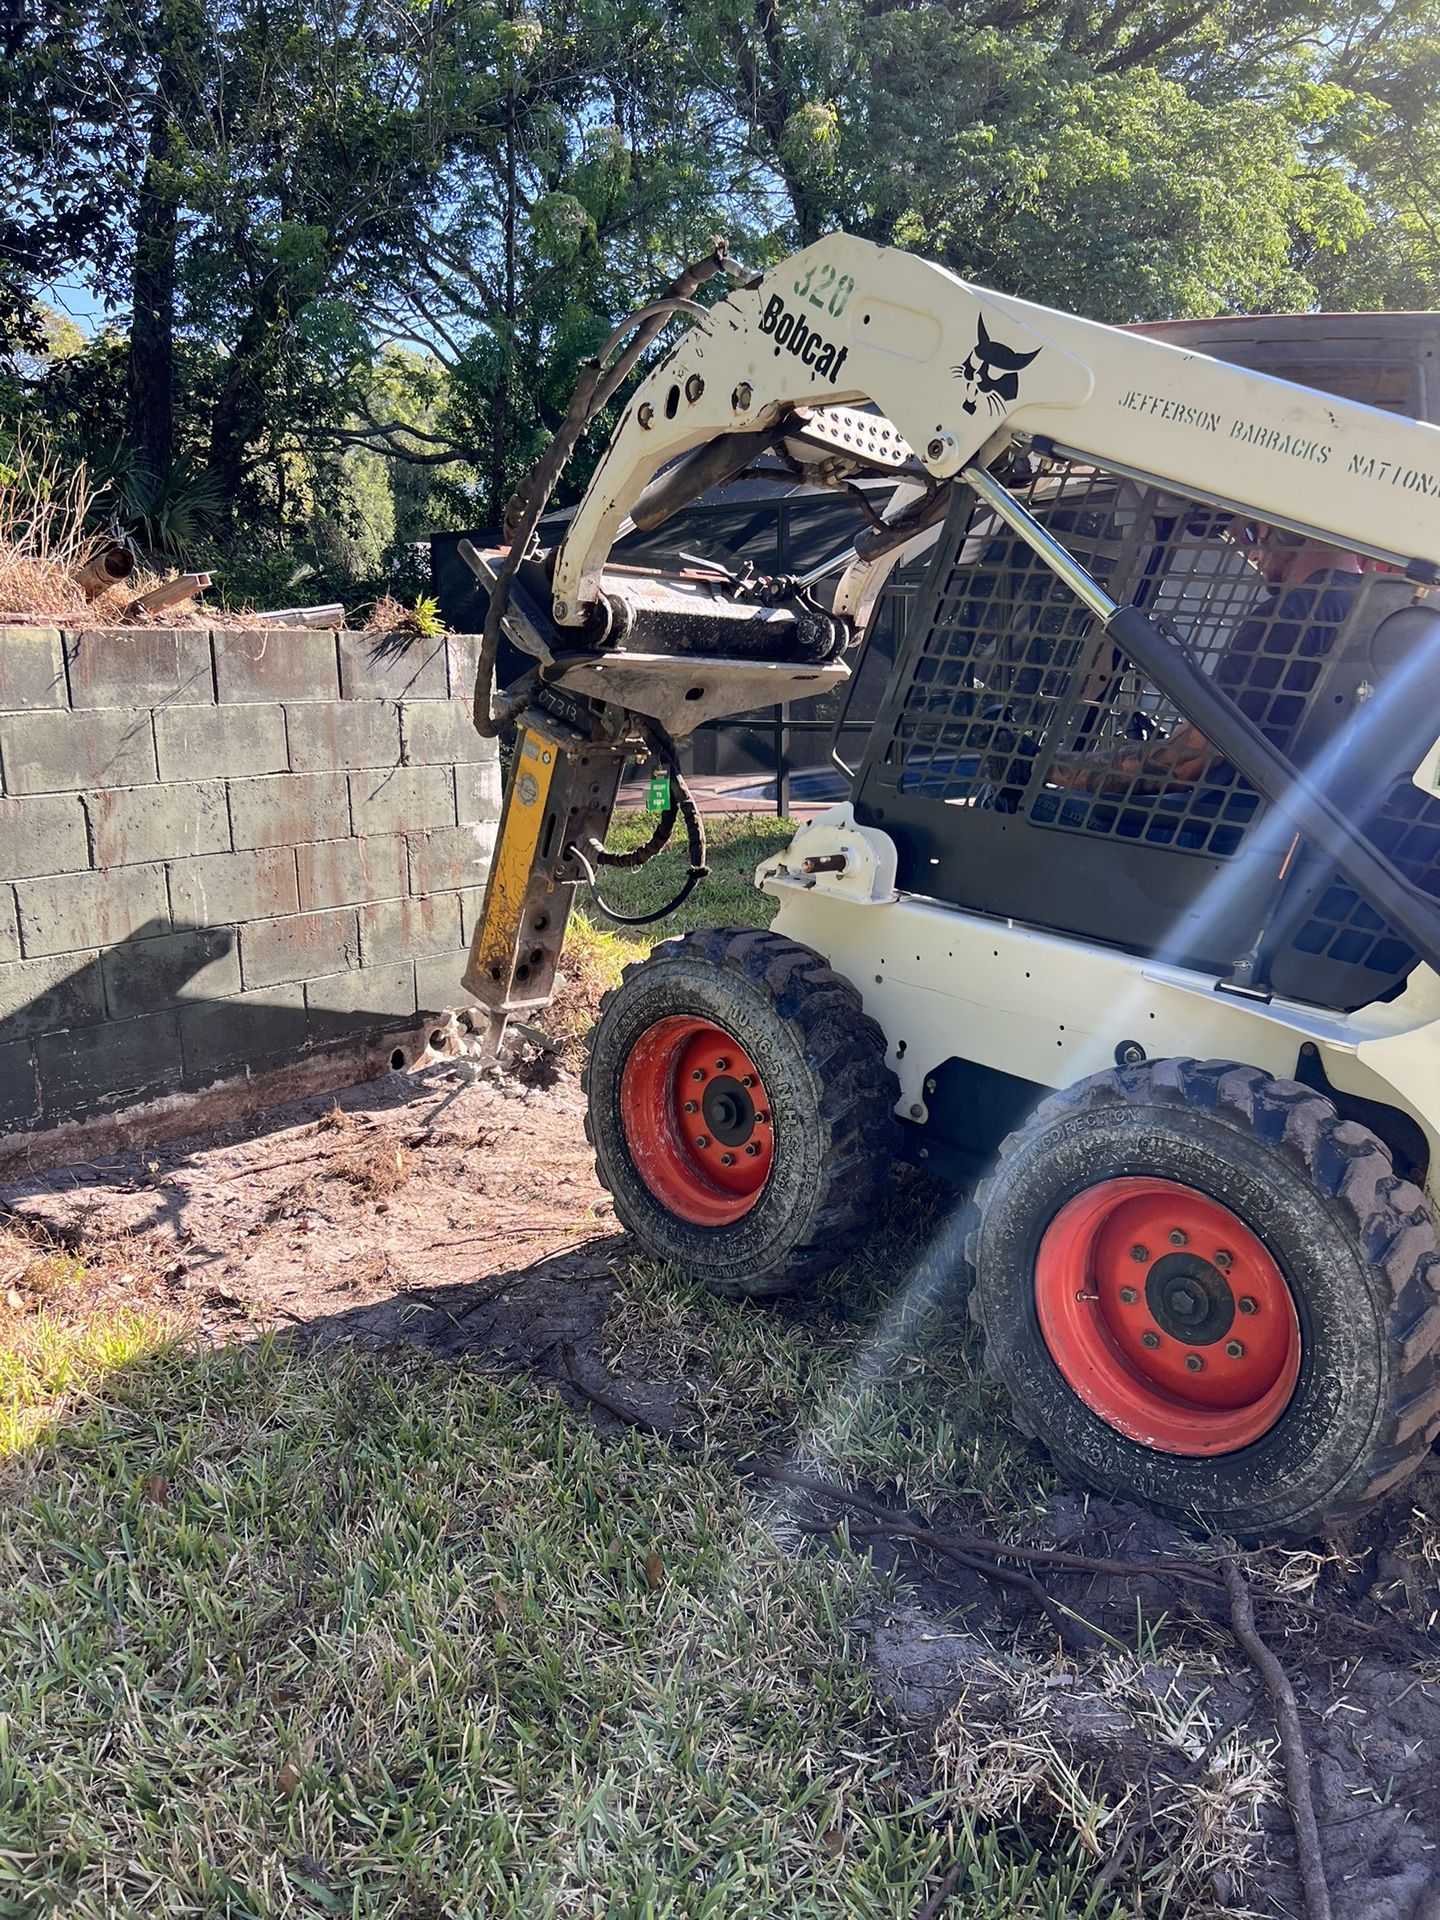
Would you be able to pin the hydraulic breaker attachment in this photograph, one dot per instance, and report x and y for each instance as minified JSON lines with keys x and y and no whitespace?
{"x":559,"y":795}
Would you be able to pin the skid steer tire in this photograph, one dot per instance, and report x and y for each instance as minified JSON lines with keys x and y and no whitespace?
{"x":1317,"y":1334}
{"x":740,"y":1109}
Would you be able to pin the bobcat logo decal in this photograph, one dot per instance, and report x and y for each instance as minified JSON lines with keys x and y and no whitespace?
{"x":991,"y":369}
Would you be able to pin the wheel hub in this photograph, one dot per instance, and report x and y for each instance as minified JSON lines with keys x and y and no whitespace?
{"x":697,"y":1121}
{"x":729,"y":1111}
{"x":1189,"y":1299}
{"x":1138,"y":1285}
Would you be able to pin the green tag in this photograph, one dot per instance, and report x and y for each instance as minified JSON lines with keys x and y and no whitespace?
{"x":657,"y":794}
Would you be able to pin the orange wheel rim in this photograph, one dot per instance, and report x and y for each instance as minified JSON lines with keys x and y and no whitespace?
{"x":1167,"y":1316}
{"x":697,"y":1120}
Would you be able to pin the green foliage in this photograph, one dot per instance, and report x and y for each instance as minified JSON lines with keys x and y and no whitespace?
{"x":367,"y":246}
{"x":168,"y":515}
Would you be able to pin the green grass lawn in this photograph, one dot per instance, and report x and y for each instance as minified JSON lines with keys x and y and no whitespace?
{"x":735,"y":846}
{"x":596,"y":949}
{"x":369,"y":1634}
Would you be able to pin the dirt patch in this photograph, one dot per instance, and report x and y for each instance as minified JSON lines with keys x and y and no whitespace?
{"x":374,"y":1214}
{"x":464,"y":1216}
{"x":1169,"y":1728}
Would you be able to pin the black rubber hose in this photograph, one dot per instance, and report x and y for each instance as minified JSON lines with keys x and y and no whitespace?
{"x":683,"y":803}
{"x":593,"y":391}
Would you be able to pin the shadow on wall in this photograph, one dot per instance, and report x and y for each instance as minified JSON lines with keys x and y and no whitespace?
{"x":163,"y":1013}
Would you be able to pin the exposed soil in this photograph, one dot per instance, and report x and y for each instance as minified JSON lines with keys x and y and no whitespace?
{"x":464,"y":1216}
{"x":405,"y":1208}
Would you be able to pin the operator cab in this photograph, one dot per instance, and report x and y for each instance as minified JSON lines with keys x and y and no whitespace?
{"x":1025,"y":768}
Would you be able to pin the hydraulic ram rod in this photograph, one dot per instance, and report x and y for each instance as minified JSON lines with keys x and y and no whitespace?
{"x":1170,"y":668}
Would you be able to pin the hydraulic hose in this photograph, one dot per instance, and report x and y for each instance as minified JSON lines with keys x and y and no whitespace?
{"x":682,"y":803}
{"x":597,"y":385}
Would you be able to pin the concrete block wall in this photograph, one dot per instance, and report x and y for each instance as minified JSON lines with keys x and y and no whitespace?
{"x":223,"y":852}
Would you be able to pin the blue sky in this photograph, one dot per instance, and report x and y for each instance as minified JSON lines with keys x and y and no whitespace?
{"x":78,"y":302}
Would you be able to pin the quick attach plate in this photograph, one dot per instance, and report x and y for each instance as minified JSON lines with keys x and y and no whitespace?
{"x":691,"y":651}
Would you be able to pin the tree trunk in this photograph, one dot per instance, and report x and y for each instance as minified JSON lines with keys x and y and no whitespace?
{"x":239,"y":414}
{"x":500,"y":401}
{"x":150,"y":372}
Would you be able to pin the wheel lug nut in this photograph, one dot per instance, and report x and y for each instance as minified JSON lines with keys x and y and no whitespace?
{"x":1128,"y":1296}
{"x":701,"y":1141}
{"x":752,"y":1149}
{"x":763,"y":1117}
{"x":698,"y":1074}
{"x":1139,"y":1253}
{"x":1150,"y":1340}
{"x":689,"y":1106}
{"x":1178,"y":1236}
{"x":747,"y":1079}
{"x":1235,"y":1349}
{"x":1224,"y":1260}
{"x":1193,"y":1363}
{"x":1247,"y":1305}
{"x":727,"y":1159}
{"x":721,"y":1065}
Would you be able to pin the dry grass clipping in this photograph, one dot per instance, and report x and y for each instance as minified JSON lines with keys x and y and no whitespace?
{"x":389,"y":615}
{"x":45,"y":540}
{"x":1085,"y":1751}
{"x":377,"y":1169}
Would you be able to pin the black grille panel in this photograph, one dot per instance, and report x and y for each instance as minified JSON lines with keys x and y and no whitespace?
{"x":1344,"y":928}
{"x":1018,"y":703}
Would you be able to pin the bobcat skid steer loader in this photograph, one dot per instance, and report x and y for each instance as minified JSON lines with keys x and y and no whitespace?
{"x":1133,"y":912}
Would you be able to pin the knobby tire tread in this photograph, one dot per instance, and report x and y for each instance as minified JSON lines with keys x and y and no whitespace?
{"x":845,"y":1052}
{"x":1348,"y":1166}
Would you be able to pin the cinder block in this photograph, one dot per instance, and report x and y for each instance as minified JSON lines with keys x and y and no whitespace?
{"x":275,"y":663}
{"x":250,"y":1031}
{"x":91,"y":1069}
{"x":75,"y":911}
{"x":53,"y":752}
{"x":42,"y":833}
{"x":32,"y":668}
{"x":441,"y":733}
{"x":225,"y":887}
{"x":477,"y":794}
{"x":403,"y":798}
{"x":447,"y":857}
{"x":19,"y":1089}
{"x":38,"y":995}
{"x":208,"y":743}
{"x":357,"y":733}
{"x":462,"y":658}
{"x":280,"y":809}
{"x":472,"y":905}
{"x":368,"y":997}
{"x":130,"y":824}
{"x":378,"y":666}
{"x":9,"y":927}
{"x":341,"y":873}
{"x":139,"y":666}
{"x":142,"y":976}
{"x":392,"y":929}
{"x":298,"y":948}
{"x":437,"y":982}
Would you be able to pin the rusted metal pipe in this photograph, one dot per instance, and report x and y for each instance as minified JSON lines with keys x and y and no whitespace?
{"x":104,"y":570}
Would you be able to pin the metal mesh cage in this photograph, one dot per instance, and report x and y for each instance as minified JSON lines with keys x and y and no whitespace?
{"x":1342,"y":927}
{"x":1012,"y":701}
{"x":1018,"y":702}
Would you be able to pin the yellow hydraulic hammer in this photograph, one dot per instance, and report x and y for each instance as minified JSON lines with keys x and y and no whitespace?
{"x":559,"y":796}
